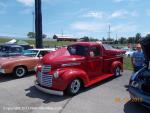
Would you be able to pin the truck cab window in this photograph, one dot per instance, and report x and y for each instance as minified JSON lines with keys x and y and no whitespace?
{"x":42,"y":53}
{"x":95,"y":51}
{"x":78,"y":50}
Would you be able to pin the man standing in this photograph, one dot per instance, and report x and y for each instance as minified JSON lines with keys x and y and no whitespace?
{"x":137,"y":58}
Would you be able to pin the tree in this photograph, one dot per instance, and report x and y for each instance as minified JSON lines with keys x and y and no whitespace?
{"x":85,"y":38}
{"x":103,"y":39}
{"x":122,"y":40}
{"x":31,"y":35}
{"x":148,"y":35}
{"x":44,"y":36}
{"x":137,"y":37}
{"x":55,"y":37}
{"x":130,"y":39}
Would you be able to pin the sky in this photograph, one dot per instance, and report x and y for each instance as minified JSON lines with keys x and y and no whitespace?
{"x":77,"y":18}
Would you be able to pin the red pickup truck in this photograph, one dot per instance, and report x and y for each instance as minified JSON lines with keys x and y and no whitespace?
{"x":79,"y":65}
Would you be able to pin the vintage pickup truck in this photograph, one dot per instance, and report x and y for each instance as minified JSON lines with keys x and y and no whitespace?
{"x":79,"y":65}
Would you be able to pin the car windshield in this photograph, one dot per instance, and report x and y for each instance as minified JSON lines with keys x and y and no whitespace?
{"x":78,"y":50}
{"x":108,"y":47}
{"x":31,"y":53}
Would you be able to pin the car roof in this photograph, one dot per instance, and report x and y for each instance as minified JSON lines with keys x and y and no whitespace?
{"x":86,"y":43}
{"x":43,"y":49}
{"x":10,"y":45}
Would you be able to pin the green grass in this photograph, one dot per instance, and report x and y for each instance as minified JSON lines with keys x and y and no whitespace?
{"x":127,"y":64}
{"x":46,"y":43}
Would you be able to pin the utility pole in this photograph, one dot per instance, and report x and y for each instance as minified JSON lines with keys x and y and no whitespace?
{"x":117,"y":38}
{"x":33,"y":14}
{"x":109,"y":41}
{"x":62,"y":32}
{"x":38,"y":24}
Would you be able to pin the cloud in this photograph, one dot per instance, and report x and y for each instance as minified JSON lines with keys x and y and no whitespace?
{"x":26,"y":11}
{"x":95,"y":14}
{"x":108,"y":15}
{"x":95,"y":27}
{"x":124,"y":14}
{"x":117,"y":1}
{"x":3,"y":7}
{"x":124,"y":28}
{"x":88,"y":26}
{"x":26,"y":2}
{"x":148,"y":13}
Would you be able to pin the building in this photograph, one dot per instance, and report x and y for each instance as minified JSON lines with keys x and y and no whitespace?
{"x":64,"y":38}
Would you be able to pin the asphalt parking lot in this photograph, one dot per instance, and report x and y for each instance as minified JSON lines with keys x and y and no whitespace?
{"x":109,"y":96}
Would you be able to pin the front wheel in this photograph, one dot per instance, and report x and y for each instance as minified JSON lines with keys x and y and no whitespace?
{"x":117,"y":71}
{"x":74,"y":87}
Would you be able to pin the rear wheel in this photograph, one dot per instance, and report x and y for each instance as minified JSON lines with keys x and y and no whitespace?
{"x":117,"y":71}
{"x":19,"y":71}
{"x":74,"y":87}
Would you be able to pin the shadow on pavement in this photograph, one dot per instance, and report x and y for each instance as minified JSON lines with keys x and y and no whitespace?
{"x":32,"y":92}
{"x":132,"y":107}
{"x":9,"y":77}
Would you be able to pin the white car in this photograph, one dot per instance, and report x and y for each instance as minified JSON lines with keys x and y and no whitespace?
{"x":129,"y":53}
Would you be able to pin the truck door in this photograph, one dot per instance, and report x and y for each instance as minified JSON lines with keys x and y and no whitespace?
{"x":95,"y":62}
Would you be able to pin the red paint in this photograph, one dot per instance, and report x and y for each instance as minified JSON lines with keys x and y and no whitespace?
{"x":89,"y":69}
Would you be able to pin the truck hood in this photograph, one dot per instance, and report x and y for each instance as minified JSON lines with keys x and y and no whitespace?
{"x":4,"y":60}
{"x":114,"y":52}
{"x":61,"y":56}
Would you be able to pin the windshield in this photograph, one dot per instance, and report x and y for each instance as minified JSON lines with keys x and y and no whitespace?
{"x":78,"y":50}
{"x":31,"y":53}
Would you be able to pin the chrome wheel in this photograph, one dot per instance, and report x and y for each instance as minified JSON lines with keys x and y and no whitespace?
{"x":74,"y":87}
{"x":117,"y":71}
{"x":19,"y":72}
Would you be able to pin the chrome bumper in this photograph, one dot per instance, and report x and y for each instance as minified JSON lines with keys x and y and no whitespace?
{"x":2,"y":71}
{"x":49,"y":91}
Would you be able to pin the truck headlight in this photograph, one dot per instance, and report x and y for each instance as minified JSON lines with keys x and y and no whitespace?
{"x":56,"y":74}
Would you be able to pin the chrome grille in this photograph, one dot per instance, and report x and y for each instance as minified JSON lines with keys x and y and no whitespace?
{"x":46,"y":68}
{"x":44,"y":79}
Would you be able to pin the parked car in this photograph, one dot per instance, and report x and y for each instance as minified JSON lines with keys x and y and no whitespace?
{"x":129,"y":53}
{"x":139,"y":85}
{"x":80,"y":64}
{"x":20,"y":65}
{"x":7,"y":50}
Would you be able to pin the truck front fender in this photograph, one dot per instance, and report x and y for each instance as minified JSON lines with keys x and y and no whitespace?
{"x":71,"y":74}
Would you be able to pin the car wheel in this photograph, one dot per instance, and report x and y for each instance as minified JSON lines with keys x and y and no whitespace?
{"x":20,"y":71}
{"x":117,"y":71}
{"x":74,"y":87}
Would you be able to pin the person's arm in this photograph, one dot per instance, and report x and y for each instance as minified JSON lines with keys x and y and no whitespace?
{"x":132,"y":60}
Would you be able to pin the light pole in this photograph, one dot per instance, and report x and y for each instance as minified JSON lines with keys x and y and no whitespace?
{"x":38,"y":24}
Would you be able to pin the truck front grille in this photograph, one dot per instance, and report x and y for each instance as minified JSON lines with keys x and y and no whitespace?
{"x":46,"y":68}
{"x":44,"y":79}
